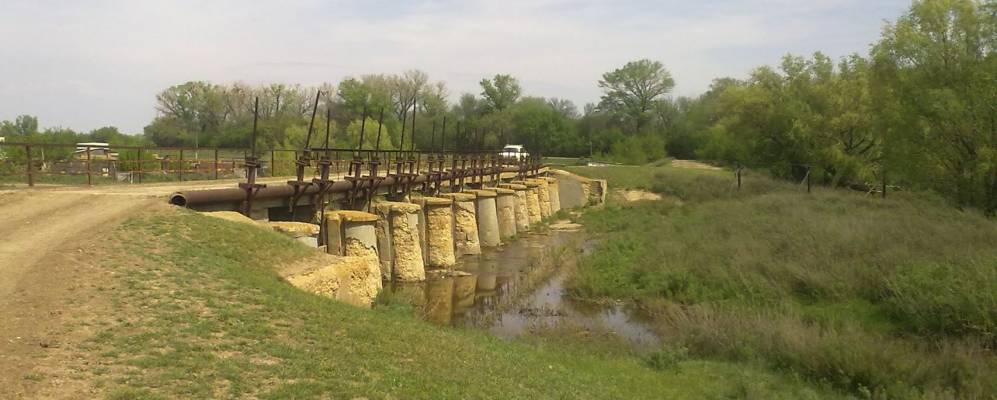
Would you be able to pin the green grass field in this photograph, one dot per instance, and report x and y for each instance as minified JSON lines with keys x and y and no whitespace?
{"x":893,"y":298}
{"x":202,"y":314}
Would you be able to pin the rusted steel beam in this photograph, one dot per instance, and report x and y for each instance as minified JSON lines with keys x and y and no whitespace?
{"x":199,"y":197}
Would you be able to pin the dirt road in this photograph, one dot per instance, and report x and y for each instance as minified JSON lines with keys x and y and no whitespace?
{"x":43,"y":269}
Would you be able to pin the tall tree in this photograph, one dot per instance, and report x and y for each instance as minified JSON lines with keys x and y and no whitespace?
{"x":500,"y":92}
{"x":938,"y":65}
{"x":631,"y":91}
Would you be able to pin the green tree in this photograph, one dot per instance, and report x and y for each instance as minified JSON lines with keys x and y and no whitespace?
{"x":936,"y":70}
{"x":500,"y":92}
{"x":631,"y":91}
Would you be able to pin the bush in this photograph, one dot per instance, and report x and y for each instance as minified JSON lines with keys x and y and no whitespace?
{"x":944,"y":298}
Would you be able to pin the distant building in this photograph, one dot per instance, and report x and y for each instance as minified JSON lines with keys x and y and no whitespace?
{"x":98,"y":151}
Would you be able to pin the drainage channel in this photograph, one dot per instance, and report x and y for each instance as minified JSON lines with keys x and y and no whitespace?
{"x":519,"y":289}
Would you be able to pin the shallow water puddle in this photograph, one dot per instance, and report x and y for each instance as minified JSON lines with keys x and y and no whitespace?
{"x":519,"y":289}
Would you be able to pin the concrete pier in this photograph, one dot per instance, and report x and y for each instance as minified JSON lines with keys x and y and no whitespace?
{"x":532,"y":200}
{"x":465,"y":223}
{"x":505,"y":203}
{"x":555,"y":194}
{"x":486,"y":213}
{"x":543,"y":194}
{"x":398,"y":241}
{"x":351,"y":233}
{"x":437,"y":230}
{"x":522,"y":211}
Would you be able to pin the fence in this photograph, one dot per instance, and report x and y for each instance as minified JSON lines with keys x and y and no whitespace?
{"x":72,"y":164}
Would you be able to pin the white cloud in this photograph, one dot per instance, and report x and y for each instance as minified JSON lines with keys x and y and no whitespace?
{"x":93,"y":63}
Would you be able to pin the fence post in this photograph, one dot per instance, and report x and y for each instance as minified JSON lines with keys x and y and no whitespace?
{"x":89,"y":169}
{"x":180,"y":167}
{"x":739,"y":177}
{"x":140,"y":165}
{"x":31,"y":176}
{"x":808,"y":179}
{"x":884,"y":184}
{"x":273,"y":163}
{"x":215,"y":165}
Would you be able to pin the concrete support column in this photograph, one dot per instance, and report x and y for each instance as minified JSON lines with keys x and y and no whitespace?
{"x":351,"y":233}
{"x":505,"y":204}
{"x":533,"y":200}
{"x":465,"y":223}
{"x":486,"y":212}
{"x":437,"y":231}
{"x":543,"y":193}
{"x":398,"y":240}
{"x":521,"y":208}
{"x":555,"y":195}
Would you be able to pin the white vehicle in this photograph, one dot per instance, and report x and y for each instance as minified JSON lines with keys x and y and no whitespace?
{"x":514,"y":152}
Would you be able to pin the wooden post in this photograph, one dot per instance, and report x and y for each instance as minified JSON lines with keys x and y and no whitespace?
{"x":739,"y":177}
{"x":180,"y":167}
{"x":139,"y":165}
{"x":808,"y":179}
{"x":215,"y":165}
{"x":884,"y":184}
{"x":89,"y":170}
{"x":273,"y":163}
{"x":31,"y":176}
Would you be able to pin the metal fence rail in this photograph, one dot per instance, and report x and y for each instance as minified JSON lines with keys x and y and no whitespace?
{"x":72,"y":164}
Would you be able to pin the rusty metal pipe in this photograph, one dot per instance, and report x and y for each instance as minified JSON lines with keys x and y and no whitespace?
{"x":234,"y":195}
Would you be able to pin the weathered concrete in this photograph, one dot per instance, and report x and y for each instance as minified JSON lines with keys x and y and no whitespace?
{"x":465,"y":223}
{"x":505,"y":204}
{"x":533,"y":200}
{"x":437,"y":229}
{"x":486,"y":213}
{"x":398,"y":241}
{"x":555,"y":194}
{"x":351,"y":233}
{"x":521,"y":207}
{"x":294,"y":229}
{"x":543,"y":195}
{"x":355,"y":280}
{"x":579,"y":191}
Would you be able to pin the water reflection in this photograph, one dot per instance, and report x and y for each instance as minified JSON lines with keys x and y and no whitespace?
{"x":518,"y":289}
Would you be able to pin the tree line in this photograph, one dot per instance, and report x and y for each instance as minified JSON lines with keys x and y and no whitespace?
{"x":919,"y":109}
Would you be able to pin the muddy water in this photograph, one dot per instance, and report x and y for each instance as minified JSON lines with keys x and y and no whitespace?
{"x":519,"y":289}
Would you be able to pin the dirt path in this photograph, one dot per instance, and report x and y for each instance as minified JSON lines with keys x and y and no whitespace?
{"x":45,"y":271}
{"x":692,"y":164}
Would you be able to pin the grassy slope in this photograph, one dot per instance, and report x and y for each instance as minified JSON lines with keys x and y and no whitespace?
{"x":895,"y":297}
{"x":201,"y":317}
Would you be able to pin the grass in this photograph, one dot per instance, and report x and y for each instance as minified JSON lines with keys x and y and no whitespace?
{"x":888,"y":298}
{"x":200,"y":313}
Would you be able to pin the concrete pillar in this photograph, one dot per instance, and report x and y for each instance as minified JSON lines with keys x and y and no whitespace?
{"x":437,"y":231}
{"x":522,"y":208}
{"x":351,"y":233}
{"x":533,"y":200}
{"x":486,"y":212}
{"x":398,"y":240}
{"x":555,"y":194}
{"x":465,"y":223}
{"x":543,"y":193}
{"x":505,"y":204}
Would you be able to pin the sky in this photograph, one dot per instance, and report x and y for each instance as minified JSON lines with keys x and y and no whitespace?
{"x":87,"y":64}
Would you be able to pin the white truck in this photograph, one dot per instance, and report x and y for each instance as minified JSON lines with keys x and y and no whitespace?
{"x":513,"y":152}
